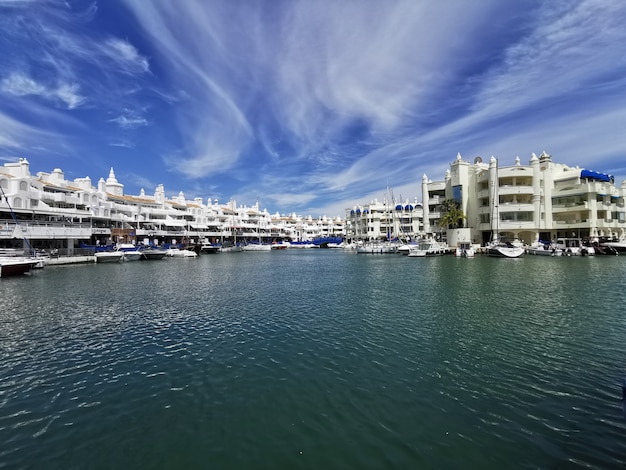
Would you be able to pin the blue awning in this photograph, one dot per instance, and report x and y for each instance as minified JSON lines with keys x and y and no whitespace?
{"x":594,"y":175}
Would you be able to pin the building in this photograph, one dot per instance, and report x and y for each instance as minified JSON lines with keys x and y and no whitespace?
{"x":48,"y":212}
{"x":542,"y":200}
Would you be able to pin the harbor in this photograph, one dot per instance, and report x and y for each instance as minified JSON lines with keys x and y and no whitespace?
{"x":315,"y":358}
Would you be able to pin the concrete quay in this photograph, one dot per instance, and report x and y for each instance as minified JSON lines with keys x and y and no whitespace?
{"x":70,"y":260}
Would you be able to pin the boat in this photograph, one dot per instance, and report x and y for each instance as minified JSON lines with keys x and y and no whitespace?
{"x":280,"y":245}
{"x":152,"y":254}
{"x":302,"y":244}
{"x":228,"y":247}
{"x":377,"y":248}
{"x":501,"y":249}
{"x":209,"y":248}
{"x":544,"y":249}
{"x":129,"y":252}
{"x":257,"y":247}
{"x":108,"y":256}
{"x":16,"y":265}
{"x":428,"y":247}
{"x":178,"y":253}
{"x":464,"y":250}
{"x":574,"y":247}
{"x":614,"y":246}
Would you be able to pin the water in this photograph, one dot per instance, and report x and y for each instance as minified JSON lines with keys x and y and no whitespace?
{"x":315,"y":359}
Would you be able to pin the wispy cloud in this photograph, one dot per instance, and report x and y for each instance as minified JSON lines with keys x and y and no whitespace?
{"x":22,"y":85}
{"x":313,"y":104}
{"x":129,"y":120}
{"x":125,"y":56}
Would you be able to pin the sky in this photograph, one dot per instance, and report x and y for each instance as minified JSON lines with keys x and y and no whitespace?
{"x":308,"y":106}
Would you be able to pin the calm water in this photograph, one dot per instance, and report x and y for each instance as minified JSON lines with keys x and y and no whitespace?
{"x":315,"y":359}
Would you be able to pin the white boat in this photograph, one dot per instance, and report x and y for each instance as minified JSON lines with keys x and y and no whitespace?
{"x":544,"y":249}
{"x":428,"y":247}
{"x":257,"y":247}
{"x":15,"y":265}
{"x":574,"y":247}
{"x":280,"y":245}
{"x":500,"y":249}
{"x":228,"y":247}
{"x":178,"y":253}
{"x":129,"y":252}
{"x":464,"y":250}
{"x":377,"y":248}
{"x":109,"y":256}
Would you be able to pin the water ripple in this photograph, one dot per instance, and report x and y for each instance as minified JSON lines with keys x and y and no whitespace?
{"x":314,"y":359}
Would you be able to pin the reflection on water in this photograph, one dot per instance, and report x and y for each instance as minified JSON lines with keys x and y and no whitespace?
{"x":311,"y":358}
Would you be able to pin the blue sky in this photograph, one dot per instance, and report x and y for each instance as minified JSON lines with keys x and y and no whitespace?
{"x":309,"y":106}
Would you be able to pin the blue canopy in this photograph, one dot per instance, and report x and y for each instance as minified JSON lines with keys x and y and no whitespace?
{"x":594,"y":175}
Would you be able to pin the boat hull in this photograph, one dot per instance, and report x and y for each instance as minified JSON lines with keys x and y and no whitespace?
{"x":109,"y":257}
{"x":16,"y":266}
{"x":505,"y":251}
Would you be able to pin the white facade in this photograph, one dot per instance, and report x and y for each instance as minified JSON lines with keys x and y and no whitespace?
{"x":541,"y":200}
{"x":52,"y":212}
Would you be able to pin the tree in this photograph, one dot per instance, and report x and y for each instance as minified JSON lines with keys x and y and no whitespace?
{"x":452,"y":216}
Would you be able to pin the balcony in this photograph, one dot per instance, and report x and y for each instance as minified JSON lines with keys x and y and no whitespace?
{"x":570,"y":207}
{"x":510,"y":189}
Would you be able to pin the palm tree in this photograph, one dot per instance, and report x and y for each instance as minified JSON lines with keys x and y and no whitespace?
{"x":452,"y":215}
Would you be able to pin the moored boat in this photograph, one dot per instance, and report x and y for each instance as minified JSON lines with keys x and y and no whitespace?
{"x":544,"y":249}
{"x":257,"y":247}
{"x":377,"y":248}
{"x":16,"y":265}
{"x":504,"y":250}
{"x":464,"y":250}
{"x":427,"y":247}
{"x":108,"y":256}
{"x":574,"y":247}
{"x":178,"y":253}
{"x":152,"y":254}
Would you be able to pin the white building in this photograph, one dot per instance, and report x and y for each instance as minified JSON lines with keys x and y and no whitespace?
{"x":542,"y":200}
{"x":46,"y":211}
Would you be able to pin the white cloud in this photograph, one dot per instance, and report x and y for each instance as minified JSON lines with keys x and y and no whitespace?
{"x":126,"y":56}
{"x":22,"y":85}
{"x":130,"y":121}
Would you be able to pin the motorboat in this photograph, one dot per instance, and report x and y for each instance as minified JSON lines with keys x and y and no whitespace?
{"x":257,"y":247}
{"x":280,"y":245}
{"x":377,"y":248}
{"x":428,"y":247}
{"x":607,"y":246}
{"x":16,"y":265}
{"x":544,"y":249}
{"x":129,"y":251}
{"x":464,"y":250}
{"x":108,"y":256}
{"x":574,"y":247}
{"x":228,"y":247}
{"x":152,"y":254}
{"x":178,"y":253}
{"x":209,"y":248}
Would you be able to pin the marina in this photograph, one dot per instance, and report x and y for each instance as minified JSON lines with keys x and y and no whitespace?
{"x":433,"y":364}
